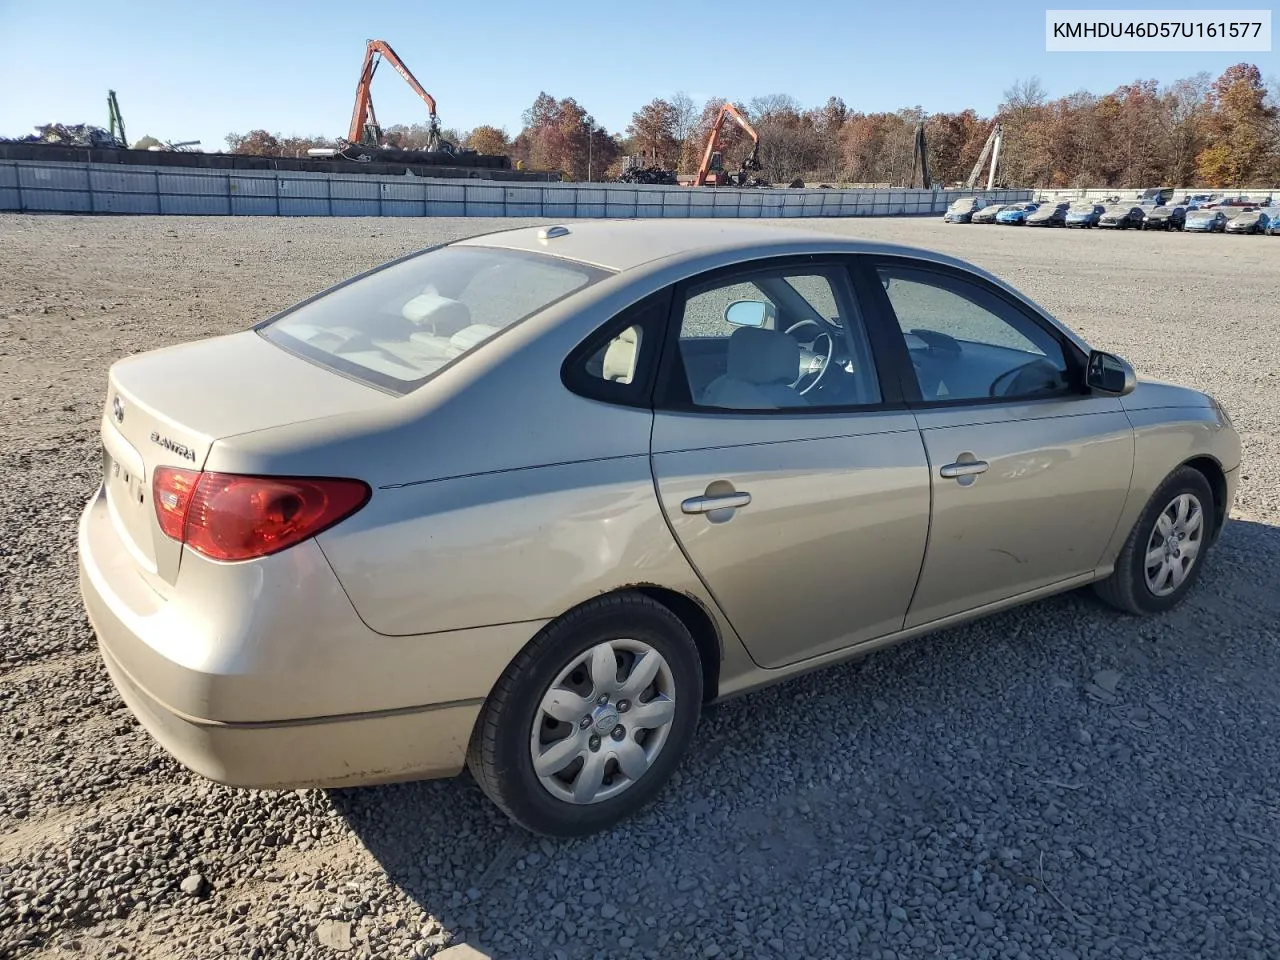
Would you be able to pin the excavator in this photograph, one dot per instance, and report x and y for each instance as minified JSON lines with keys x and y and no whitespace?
{"x":365,"y":131}
{"x":711,"y":171}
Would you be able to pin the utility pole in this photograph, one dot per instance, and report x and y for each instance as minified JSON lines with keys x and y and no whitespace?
{"x":591,"y":131}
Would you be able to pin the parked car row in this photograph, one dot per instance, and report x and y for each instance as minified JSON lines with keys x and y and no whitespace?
{"x":1200,"y":214}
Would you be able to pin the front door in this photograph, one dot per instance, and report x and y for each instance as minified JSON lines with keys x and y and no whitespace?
{"x":1029,"y":474}
{"x":799,"y":495}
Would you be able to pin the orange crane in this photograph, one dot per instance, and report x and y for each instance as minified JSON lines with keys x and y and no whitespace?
{"x":711,"y":170}
{"x":364,"y":122}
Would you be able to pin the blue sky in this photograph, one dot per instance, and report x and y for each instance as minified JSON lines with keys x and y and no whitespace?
{"x":187,"y":71}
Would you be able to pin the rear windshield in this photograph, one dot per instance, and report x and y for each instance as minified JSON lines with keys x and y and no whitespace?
{"x":962,"y":204}
{"x":397,"y":325}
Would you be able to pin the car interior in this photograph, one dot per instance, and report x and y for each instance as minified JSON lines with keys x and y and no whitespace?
{"x":965,"y":343}
{"x":405,"y":322}
{"x":763,"y":344}
{"x":781,"y":351}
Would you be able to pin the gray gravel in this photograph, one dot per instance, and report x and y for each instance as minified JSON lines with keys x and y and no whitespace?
{"x":1056,"y":782}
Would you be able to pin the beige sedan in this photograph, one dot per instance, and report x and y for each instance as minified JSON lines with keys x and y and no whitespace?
{"x":528,"y":501}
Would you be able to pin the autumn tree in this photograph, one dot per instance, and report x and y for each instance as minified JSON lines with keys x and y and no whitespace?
{"x":790,"y":146}
{"x":489,"y":140}
{"x":298,"y":146}
{"x":654,"y":134}
{"x":257,"y":143}
{"x":827,"y":123}
{"x":1025,"y":158}
{"x":1240,"y":122}
{"x":1183,"y":115}
{"x":686,"y":115}
{"x":955,"y":141}
{"x":561,"y":135}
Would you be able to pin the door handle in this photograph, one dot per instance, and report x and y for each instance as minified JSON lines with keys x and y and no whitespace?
{"x":967,"y":468}
{"x":724,"y":501}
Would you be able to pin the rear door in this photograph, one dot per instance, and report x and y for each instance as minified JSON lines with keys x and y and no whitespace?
{"x":788,"y":469}
{"x":1028,"y":472}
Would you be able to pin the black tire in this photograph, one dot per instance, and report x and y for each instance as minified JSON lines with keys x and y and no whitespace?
{"x":499,"y":755}
{"x":1126,"y":588}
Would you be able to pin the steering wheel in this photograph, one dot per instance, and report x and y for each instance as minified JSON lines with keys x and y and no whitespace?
{"x":825,"y":362}
{"x":1003,"y":385}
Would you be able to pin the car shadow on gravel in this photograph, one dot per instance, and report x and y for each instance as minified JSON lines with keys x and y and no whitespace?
{"x":950,"y":794}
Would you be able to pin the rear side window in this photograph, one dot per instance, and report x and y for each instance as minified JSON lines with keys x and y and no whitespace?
{"x":398,"y":325}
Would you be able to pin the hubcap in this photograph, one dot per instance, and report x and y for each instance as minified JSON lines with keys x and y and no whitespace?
{"x":1174,"y":544}
{"x":603,"y":721}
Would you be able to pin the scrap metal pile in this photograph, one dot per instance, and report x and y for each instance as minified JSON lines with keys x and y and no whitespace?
{"x":71,"y":135}
{"x":636,"y":171}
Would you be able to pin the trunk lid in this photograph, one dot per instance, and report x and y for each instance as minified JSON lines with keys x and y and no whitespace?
{"x":167,"y":408}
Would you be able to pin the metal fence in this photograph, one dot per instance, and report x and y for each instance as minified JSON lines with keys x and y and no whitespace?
{"x":31,"y":186}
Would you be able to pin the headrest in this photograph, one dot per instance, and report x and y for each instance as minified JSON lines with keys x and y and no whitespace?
{"x":620,"y":357}
{"x":439,"y":314}
{"x":760,"y":356}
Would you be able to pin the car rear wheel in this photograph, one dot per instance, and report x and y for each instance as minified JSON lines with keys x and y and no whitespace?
{"x":1166,"y":549}
{"x":590,"y":720}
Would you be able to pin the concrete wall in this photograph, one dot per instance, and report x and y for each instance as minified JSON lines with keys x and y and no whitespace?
{"x":35,"y":186}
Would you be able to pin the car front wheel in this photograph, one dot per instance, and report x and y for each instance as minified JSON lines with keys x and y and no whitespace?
{"x":590,"y":720}
{"x":1166,"y":549}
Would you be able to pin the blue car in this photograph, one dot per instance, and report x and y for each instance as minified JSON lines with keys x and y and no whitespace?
{"x":1205,"y":221}
{"x":1016,"y":213}
{"x":1084,"y":215}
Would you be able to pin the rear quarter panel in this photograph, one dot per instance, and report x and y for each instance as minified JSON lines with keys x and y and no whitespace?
{"x":520,"y":545}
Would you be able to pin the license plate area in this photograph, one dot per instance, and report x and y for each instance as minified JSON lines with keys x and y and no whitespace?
{"x":124,"y":486}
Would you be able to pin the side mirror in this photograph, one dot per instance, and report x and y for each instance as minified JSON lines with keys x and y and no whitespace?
{"x":747,"y":313}
{"x":1109,"y":374}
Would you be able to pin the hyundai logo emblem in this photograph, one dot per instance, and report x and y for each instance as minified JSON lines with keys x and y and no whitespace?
{"x":117,"y":407}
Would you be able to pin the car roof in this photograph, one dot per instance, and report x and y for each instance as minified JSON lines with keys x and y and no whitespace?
{"x":623,"y":245}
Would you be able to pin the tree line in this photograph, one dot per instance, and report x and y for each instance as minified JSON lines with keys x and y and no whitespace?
{"x":1197,"y":131}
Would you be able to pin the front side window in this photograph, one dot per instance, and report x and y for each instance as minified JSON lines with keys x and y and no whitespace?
{"x":966,"y":343}
{"x":395,"y":327}
{"x":775,"y":340}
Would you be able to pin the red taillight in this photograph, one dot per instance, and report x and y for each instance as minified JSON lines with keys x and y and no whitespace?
{"x":230,"y":517}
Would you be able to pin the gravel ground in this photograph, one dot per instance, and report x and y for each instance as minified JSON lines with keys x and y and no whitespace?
{"x":1056,"y":782}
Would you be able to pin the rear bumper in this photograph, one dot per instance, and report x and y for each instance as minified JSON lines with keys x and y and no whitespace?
{"x":262,"y":675}
{"x":324,"y":752}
